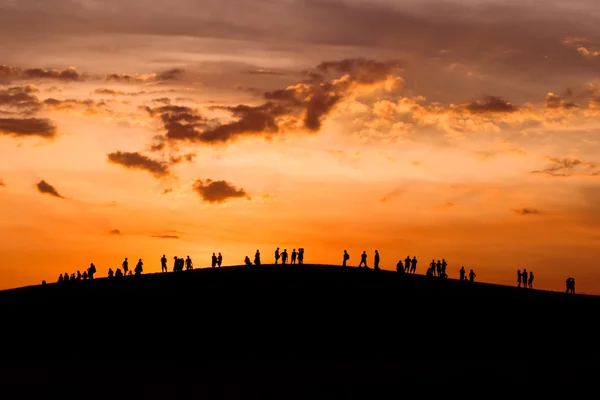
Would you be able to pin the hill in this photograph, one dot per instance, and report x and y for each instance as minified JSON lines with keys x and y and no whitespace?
{"x":302,"y":313}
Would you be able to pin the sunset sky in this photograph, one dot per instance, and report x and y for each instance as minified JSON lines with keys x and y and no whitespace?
{"x":462,"y":129}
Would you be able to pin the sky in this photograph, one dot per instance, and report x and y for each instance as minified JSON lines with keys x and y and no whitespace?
{"x":464,"y":130}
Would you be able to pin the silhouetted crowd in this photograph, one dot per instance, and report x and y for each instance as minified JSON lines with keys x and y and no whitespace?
{"x":436,"y":268}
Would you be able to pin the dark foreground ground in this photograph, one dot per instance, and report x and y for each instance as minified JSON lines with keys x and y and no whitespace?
{"x":295,"y":325}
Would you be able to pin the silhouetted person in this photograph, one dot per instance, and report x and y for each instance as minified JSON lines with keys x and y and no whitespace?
{"x":400,"y":267}
{"x":346,"y":258}
{"x":214,"y":260}
{"x":284,"y":256}
{"x":530,"y":283}
{"x":571,"y":285}
{"x":78,"y":275}
{"x":188,"y":263}
{"x":91,"y":271}
{"x":431,"y":266}
{"x":407,"y":264}
{"x":462,"y":273}
{"x":125,"y":266}
{"x":247,"y":261}
{"x":438,"y":268}
{"x":111,"y":273}
{"x":277,"y":255}
{"x":472,"y":276}
{"x":294,"y":254}
{"x":413,"y":265}
{"x":524,"y":278}
{"x":257,"y":258}
{"x":139,"y":267}
{"x":43,"y":283}
{"x":219,"y":260}
{"x":129,"y":273}
{"x":60,"y":278}
{"x":363,"y":260}
{"x":85,"y":275}
{"x":301,"y":255}
{"x":118,"y":273}
{"x":519,"y":278}
{"x":72,"y":278}
{"x":376,"y":260}
{"x":163,"y":264}
{"x":444,"y":266}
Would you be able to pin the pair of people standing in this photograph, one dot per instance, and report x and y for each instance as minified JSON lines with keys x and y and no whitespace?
{"x":525,"y":278}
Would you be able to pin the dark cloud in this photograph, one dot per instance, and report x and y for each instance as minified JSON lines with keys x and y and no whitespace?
{"x":114,"y":232}
{"x":138,"y":161}
{"x":564,"y":167}
{"x":491,"y":104}
{"x":309,"y":103}
{"x":165,"y":236}
{"x":217,"y":191}
{"x":265,"y":72}
{"x":21,"y":98}
{"x":171,"y":75}
{"x":26,"y":127}
{"x":527,"y":211}
{"x":46,"y":188}
{"x":556,"y":101}
{"x":167,"y":191}
{"x":15,"y":73}
{"x":113,"y":92}
{"x":89,"y":105}
{"x":2,"y":184}
{"x":185,"y":157}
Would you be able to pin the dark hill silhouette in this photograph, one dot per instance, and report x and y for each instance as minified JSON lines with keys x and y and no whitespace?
{"x":300,"y":312}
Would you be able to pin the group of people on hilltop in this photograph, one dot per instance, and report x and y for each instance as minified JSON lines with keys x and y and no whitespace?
{"x":409,"y":266}
{"x":406,"y":266}
{"x":525,"y":278}
{"x":283,"y":255}
{"x":87,"y":275}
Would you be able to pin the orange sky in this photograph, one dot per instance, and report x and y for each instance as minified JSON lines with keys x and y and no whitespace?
{"x":465,"y":130}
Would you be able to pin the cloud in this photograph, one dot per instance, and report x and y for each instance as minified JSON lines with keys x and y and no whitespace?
{"x":564,"y":167}
{"x":527,"y":211}
{"x":2,"y":184}
{"x":265,"y":72}
{"x":90,"y":107}
{"x":20,"y":98}
{"x":114,"y":93}
{"x":27,"y":127}
{"x":165,"y":237}
{"x":491,"y":104}
{"x":114,"y":232}
{"x":556,"y":101}
{"x":393,"y":194}
{"x":46,"y":188}
{"x":136,"y":160}
{"x":302,"y":106}
{"x":217,"y":191}
{"x":186,"y":157}
{"x":167,"y":191}
{"x":66,"y":75}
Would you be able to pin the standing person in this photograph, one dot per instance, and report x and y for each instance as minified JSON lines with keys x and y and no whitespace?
{"x":524,"y":278}
{"x":91,"y":271}
{"x":214,"y":260}
{"x":276,"y":256}
{"x":125,"y":266}
{"x":407,"y":264}
{"x":294,"y":254}
{"x":413,"y":265}
{"x":462,"y":273}
{"x":376,"y":260}
{"x":188,"y":264}
{"x":363,"y":260}
{"x":472,"y":276}
{"x":139,"y":267}
{"x":257,"y":258}
{"x":530,"y":283}
{"x":284,"y":256}
{"x":519,"y":278}
{"x":219,"y":260}
{"x":163,"y":264}
{"x":346,"y":258}
{"x":301,"y":255}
